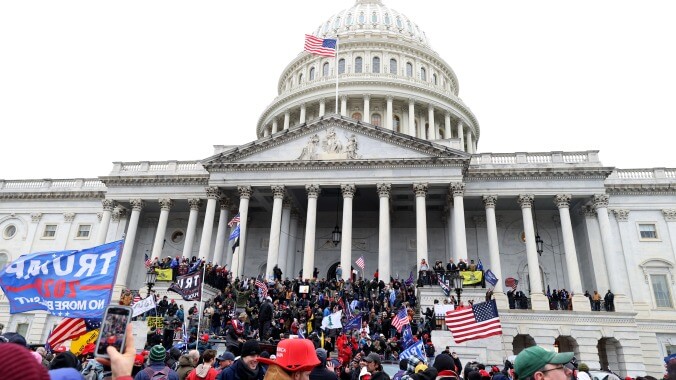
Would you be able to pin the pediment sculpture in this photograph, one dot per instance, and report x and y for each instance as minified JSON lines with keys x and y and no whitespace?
{"x":330,"y":147}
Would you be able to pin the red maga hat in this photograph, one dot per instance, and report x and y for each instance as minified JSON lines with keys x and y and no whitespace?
{"x":294,"y":355}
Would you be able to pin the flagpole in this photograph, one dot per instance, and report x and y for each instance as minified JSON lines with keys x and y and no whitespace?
{"x":199,"y":317}
{"x":336,"y":62}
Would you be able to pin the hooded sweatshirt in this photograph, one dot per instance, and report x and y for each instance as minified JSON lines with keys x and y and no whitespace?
{"x":203,"y":372}
{"x":184,"y":367}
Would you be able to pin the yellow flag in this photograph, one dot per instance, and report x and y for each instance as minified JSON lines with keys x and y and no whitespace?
{"x":78,"y":344}
{"x":471,"y":277}
{"x":164,"y":274}
{"x":322,"y":340}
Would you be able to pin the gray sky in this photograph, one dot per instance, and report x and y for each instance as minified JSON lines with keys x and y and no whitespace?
{"x":86,"y":83}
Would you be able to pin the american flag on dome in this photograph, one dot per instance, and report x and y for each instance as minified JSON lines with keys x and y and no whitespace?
{"x":324,"y":47}
{"x":476,"y":322}
{"x":400,"y":320}
{"x":234,"y":221}
{"x":360,"y":262}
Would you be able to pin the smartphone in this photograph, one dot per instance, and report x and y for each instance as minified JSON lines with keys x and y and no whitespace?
{"x":113,"y":330}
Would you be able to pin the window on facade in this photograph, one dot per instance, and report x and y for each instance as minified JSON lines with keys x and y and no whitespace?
{"x":9,"y":231}
{"x":393,"y":66}
{"x":376,"y":64}
{"x":376,"y":119}
{"x":362,"y":18}
{"x":50,"y":231}
{"x":356,"y":116}
{"x":177,"y":236}
{"x":326,"y":27}
{"x":325,"y":69}
{"x":3,"y":260}
{"x":434,"y":79}
{"x":83,"y":231}
{"x":374,"y":17}
{"x":387,"y":19}
{"x":661,"y":290}
{"x":648,"y":231}
{"x":336,"y":24}
{"x":396,"y":124}
{"x":410,"y":28}
{"x":312,"y":73}
{"x":423,"y":74}
{"x":357,"y":65}
{"x":349,"y":19}
{"x":400,"y":25}
{"x":341,"y":66}
{"x":300,"y":78}
{"x":22,"y":329}
{"x":409,"y":69}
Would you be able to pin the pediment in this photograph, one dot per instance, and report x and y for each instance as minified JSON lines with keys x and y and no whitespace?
{"x":338,"y":140}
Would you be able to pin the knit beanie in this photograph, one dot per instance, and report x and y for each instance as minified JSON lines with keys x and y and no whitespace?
{"x":157,"y":354}
{"x":583,"y":367}
{"x":22,"y":366}
{"x":64,"y":360}
{"x":250,"y":347}
{"x":444,"y":362}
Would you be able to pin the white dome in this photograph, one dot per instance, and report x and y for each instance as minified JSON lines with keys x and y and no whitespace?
{"x":371,"y":16}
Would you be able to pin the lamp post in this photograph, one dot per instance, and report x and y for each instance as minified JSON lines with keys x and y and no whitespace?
{"x":457,"y":284}
{"x":335,"y":235}
{"x":151,"y":276}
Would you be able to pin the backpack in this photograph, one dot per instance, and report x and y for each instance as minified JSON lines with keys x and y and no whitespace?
{"x":162,"y":374}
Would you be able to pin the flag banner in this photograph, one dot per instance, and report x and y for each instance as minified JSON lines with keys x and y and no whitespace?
{"x":407,"y":336}
{"x":71,"y":328}
{"x":471,"y":277}
{"x":188,"y":286}
{"x":511,"y":282}
{"x":148,"y":261}
{"x":416,"y":350}
{"x":410,"y":279}
{"x":77,"y":345}
{"x":401,"y":319}
{"x":476,"y":322}
{"x":360,"y":262}
{"x":444,"y":287}
{"x":234,"y":234}
{"x":491,"y":278}
{"x":353,"y":324}
{"x":234,"y":221}
{"x":393,"y":296}
{"x":195,"y":267}
{"x":143,"y":305}
{"x":235,"y":245}
{"x":164,"y":274}
{"x":76,"y":284}
{"x":333,"y":321}
{"x":480,"y":265}
{"x":262,"y":288}
{"x":319,"y":46}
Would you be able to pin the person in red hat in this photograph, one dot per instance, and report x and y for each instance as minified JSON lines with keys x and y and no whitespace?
{"x":294,"y":360}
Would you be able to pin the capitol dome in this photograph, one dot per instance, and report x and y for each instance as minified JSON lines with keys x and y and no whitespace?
{"x":387,"y":74}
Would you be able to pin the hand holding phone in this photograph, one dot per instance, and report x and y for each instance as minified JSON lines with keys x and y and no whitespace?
{"x":113,"y":330}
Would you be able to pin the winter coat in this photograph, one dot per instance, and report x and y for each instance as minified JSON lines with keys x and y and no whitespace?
{"x":143,"y":375}
{"x":237,"y":370}
{"x":185,"y":366}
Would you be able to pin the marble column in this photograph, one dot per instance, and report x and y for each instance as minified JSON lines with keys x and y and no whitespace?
{"x":266,"y":133}
{"x":222,"y":231}
{"x":616,"y":270}
{"x":287,"y":119}
{"x":213,"y":195}
{"x":284,"y":237}
{"x":108,"y":205}
{"x":470,"y":145}
{"x":447,"y":126}
{"x":595,"y":246}
{"x":420,"y":190}
{"x":310,"y":228}
{"x":302,"y":114}
{"x":322,"y":107}
{"x":275,"y":126}
{"x":459,"y":239}
{"x":389,"y":115}
{"x":461,"y":135}
{"x":538,"y":299}
{"x":346,"y":243}
{"x":195,"y":204}
{"x":118,"y":225}
{"x":293,"y":240}
{"x":158,"y":244}
{"x":580,"y":302}
{"x":411,"y":117}
{"x":343,"y":105}
{"x":367,"y":110}
{"x":449,"y":226}
{"x":129,"y":241}
{"x":240,"y":252}
{"x":494,"y":250}
{"x":430,"y":120}
{"x":278,"y":193}
{"x":384,"y":264}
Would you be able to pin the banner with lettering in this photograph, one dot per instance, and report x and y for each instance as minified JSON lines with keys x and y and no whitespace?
{"x":188,"y":286}
{"x":74,"y":284}
{"x":143,"y":305}
{"x":164,"y":274}
{"x":471,"y":277}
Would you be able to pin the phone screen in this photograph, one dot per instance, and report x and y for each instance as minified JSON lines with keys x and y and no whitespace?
{"x":113,"y":329}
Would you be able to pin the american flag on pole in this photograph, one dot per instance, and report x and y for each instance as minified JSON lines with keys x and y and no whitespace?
{"x":263,"y":288}
{"x":478,"y":322}
{"x":320,"y":46}
{"x":148,"y":261}
{"x":400,"y":320}
{"x":234,"y":221}
{"x":360,"y":262}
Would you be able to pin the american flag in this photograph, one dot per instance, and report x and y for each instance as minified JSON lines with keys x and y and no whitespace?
{"x":263,"y":287}
{"x":71,"y":328}
{"x":137,"y":298}
{"x":360,"y":262}
{"x":478,"y":322}
{"x":400,"y":320}
{"x":148,"y":261}
{"x":320,"y":46}
{"x":234,"y":221}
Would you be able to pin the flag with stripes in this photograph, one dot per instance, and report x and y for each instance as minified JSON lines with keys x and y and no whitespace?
{"x":444,"y":287}
{"x":148,"y":261}
{"x":476,"y":322}
{"x":324,"y":47}
{"x":360,"y":262}
{"x":263,"y":288}
{"x":234,"y":221}
{"x":400,"y":320}
{"x":137,"y":298}
{"x":71,"y":328}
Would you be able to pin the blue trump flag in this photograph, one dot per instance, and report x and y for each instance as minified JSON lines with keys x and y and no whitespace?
{"x":74,"y":284}
{"x":407,"y":336}
{"x":353,"y":324}
{"x":490,"y":277}
{"x":416,"y":350}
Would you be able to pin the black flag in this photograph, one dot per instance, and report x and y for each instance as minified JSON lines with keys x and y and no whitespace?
{"x":188,"y":286}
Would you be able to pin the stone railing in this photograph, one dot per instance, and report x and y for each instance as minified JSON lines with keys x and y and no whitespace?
{"x":50,"y":185}
{"x":647,"y":174}
{"x":537,"y":158}
{"x":157,"y":167}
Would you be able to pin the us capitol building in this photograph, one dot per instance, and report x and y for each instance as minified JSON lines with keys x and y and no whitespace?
{"x":391,"y":172}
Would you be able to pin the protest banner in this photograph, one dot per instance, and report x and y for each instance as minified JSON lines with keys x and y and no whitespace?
{"x":188,"y":286}
{"x":164,"y":274}
{"x":143,"y":305}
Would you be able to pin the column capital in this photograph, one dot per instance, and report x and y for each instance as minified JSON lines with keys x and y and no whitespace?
{"x":479,"y":220}
{"x":108,"y":204}
{"x":411,"y":101}
{"x":212,"y":192}
{"x":343,"y":98}
{"x":600,"y":201}
{"x":244,"y":191}
{"x":36,"y":216}
{"x":302,"y":105}
{"x":384,"y":190}
{"x":669,"y":215}
{"x":68,"y":216}
{"x":195,"y":203}
{"x":490,"y":200}
{"x":588,"y":211}
{"x":430,"y":106}
{"x":313,"y":190}
{"x":447,"y":114}
{"x":562,"y":200}
{"x":367,"y":96}
{"x":286,"y":203}
{"x":322,"y":101}
{"x":225,"y":203}
{"x":526,"y":200}
{"x":278,"y":191}
{"x":348,"y":190}
{"x":420,"y":189}
{"x":457,"y":189}
{"x":389,"y":98}
{"x":136,"y":204}
{"x":622,"y":215}
{"x":166,"y":204}
{"x":119,"y":212}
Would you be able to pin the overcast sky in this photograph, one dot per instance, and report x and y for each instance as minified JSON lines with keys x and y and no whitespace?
{"x":86,"y":83}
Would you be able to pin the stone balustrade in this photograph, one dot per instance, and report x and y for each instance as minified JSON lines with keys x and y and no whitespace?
{"x":49,"y":185}
{"x":157,"y":167}
{"x":536,"y":158}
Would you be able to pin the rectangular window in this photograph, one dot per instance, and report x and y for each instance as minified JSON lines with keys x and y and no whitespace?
{"x":647,"y":231}
{"x":661,"y":290}
{"x":22,"y":329}
{"x":50,"y":231}
{"x":83,"y":231}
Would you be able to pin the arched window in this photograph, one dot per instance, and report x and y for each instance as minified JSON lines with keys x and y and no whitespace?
{"x":409,"y":69}
{"x":341,"y":66}
{"x":376,"y":64}
{"x":325,"y":69}
{"x":374,"y":17}
{"x":336,"y":24}
{"x":376,"y":119}
{"x":393,"y":66}
{"x":3,"y":260}
{"x":356,"y":116}
{"x":300,"y":78}
{"x":423,"y":74}
{"x":349,"y":20}
{"x":357,"y":65}
{"x":312,"y":73}
{"x":400,"y":25}
{"x":396,"y":124}
{"x":441,"y":133}
{"x":434,"y":79}
{"x":326,"y":27}
{"x":362,"y":18}
{"x":388,"y":22}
